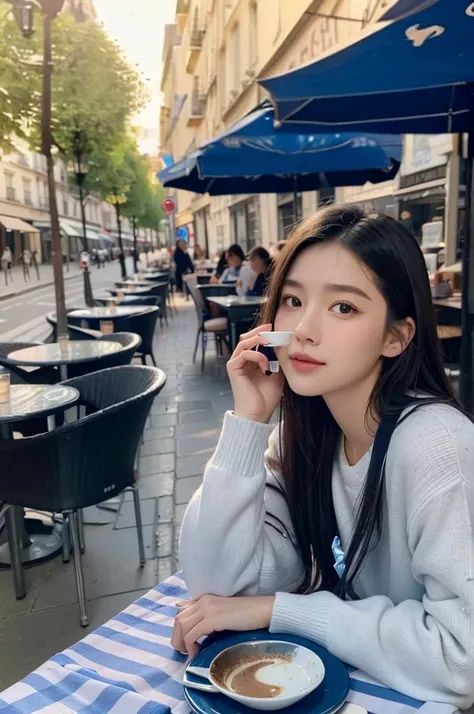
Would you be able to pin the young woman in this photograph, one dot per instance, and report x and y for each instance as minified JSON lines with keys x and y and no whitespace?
{"x":262,"y":265}
{"x":373,"y":449}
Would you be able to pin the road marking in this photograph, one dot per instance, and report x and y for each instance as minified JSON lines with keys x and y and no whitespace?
{"x":45,"y":304}
{"x":3,"y":320}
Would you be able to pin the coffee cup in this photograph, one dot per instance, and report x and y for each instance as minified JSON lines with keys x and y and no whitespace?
{"x":276,"y":338}
{"x":267,"y":675}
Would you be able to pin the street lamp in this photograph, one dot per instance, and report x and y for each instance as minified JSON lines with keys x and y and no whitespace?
{"x":81,"y":170}
{"x":24,"y":11}
{"x":117,"y":199}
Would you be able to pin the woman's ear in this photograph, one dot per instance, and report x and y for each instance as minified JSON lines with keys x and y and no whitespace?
{"x":399,"y":337}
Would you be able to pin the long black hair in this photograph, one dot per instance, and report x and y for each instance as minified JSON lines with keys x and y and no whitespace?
{"x":310,"y":437}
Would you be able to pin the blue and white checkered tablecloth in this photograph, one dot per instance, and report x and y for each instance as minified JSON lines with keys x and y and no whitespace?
{"x":127,"y":666}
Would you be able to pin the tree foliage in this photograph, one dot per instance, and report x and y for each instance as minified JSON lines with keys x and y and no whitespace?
{"x":20,"y":81}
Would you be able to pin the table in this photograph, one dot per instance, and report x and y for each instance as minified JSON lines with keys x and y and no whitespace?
{"x":448,"y":332}
{"x":128,"y":283}
{"x":238,"y":308}
{"x":29,"y":401}
{"x":453,"y":302}
{"x":107,"y":313}
{"x":53,"y":354}
{"x":128,"y":665}
{"x":137,"y":291}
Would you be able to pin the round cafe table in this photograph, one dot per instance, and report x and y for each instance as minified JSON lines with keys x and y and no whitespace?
{"x":55,"y":354}
{"x":28,"y":401}
{"x":106,"y":313}
{"x":127,"y":283}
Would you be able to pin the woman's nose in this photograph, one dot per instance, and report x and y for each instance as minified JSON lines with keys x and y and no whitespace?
{"x":308,"y":329}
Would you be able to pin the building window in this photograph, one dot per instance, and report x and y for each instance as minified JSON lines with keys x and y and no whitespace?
{"x":246,"y":224}
{"x":27,"y":195}
{"x":65,"y":205}
{"x":287,"y":218}
{"x":235,"y":60}
{"x":10,"y":188}
{"x":253,"y":34}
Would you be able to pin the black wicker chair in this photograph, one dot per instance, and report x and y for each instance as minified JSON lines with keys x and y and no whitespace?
{"x":80,"y":463}
{"x":136,"y":302}
{"x":142,"y":324}
{"x":75,"y":332}
{"x":130,"y":344}
{"x":217,"y":326}
{"x":18,"y":375}
{"x":162,"y":291}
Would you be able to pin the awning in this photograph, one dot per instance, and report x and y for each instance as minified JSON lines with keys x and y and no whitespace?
{"x":16,"y":224}
{"x":75,"y":230}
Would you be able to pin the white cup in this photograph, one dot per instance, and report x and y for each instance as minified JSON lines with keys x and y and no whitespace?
{"x":298,"y":673}
{"x":276,"y":338}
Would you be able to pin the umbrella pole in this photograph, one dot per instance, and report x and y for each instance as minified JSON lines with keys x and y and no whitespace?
{"x":467,"y":319}
{"x":295,"y":197}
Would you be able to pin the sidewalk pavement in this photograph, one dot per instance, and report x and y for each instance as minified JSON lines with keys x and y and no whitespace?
{"x":17,"y":284}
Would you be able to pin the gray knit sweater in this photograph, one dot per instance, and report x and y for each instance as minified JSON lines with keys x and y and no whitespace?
{"x":412,"y":629}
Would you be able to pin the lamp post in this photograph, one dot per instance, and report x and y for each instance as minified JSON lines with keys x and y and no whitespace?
{"x":117,"y":199}
{"x":24,"y":14}
{"x":80,"y":172}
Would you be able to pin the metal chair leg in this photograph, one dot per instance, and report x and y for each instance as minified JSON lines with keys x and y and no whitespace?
{"x":66,"y":540}
{"x":197,"y":344}
{"x":138,"y":519}
{"x":73,"y":520}
{"x":82,"y":542}
{"x":14,"y":521}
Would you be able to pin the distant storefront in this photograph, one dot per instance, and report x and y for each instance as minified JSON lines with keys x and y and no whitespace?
{"x":245,"y":222}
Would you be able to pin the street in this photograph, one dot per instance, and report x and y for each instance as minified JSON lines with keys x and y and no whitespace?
{"x":22,"y":317}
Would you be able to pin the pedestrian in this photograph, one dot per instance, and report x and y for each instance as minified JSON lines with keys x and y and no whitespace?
{"x":34,"y":260}
{"x":26,"y":259}
{"x":182,"y":262}
{"x":5,"y":262}
{"x":351,"y":522}
{"x":262,"y":265}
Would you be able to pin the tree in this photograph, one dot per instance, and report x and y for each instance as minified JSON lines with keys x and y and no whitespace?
{"x":137,"y":194}
{"x":20,"y":81}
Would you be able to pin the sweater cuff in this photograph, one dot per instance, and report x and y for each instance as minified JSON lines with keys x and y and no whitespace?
{"x":242,"y":445}
{"x":302,"y":615}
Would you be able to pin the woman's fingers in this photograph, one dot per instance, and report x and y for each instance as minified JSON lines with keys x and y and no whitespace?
{"x":250,"y":343}
{"x":255,"y":331}
{"x":248,"y":356}
{"x":177,"y":638}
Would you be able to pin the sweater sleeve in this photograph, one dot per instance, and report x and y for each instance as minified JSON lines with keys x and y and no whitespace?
{"x":236,"y":536}
{"x":425,"y":648}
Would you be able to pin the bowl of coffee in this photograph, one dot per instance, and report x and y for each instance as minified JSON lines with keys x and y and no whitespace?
{"x":267,"y":675}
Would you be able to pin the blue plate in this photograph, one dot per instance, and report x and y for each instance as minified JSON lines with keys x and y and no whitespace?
{"x":326,"y":699}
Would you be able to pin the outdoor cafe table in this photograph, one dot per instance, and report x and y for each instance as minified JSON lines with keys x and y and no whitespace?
{"x":137,"y":291}
{"x":31,"y":401}
{"x":239,"y":309}
{"x":55,"y":354}
{"x":128,"y":666}
{"x":138,"y":283}
{"x":107,"y":313}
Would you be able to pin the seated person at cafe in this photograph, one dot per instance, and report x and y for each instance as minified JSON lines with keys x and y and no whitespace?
{"x":239,"y":271}
{"x":262,"y":265}
{"x":220,"y":268}
{"x":346,"y":516}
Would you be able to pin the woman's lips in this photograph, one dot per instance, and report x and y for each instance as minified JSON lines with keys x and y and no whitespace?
{"x":304,"y":363}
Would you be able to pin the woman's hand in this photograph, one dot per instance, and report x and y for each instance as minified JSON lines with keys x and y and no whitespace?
{"x":256,"y":393}
{"x":214,"y":614}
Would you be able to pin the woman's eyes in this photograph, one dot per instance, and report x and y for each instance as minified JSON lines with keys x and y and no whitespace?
{"x":290,"y":301}
{"x":343,"y":308}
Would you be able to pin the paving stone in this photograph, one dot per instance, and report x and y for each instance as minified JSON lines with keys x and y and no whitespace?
{"x":126,"y":518}
{"x":197,"y":445}
{"x":154,"y":486}
{"x":211,"y":427}
{"x":165,"y":509}
{"x":153,"y":433}
{"x":158,"y":446}
{"x":166,"y":568}
{"x":165,"y":407}
{"x":164,"y":540}
{"x":157,"y":464}
{"x":185,"y":489}
{"x":192,"y":465}
{"x":194,"y":406}
{"x":195,"y":417}
{"x":161,"y":420}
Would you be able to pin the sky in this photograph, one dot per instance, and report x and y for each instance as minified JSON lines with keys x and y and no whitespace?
{"x":138,"y":26}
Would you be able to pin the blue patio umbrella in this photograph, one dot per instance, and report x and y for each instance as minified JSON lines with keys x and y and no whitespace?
{"x":253,"y":157}
{"x":413,"y":75}
{"x":404,"y":8}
